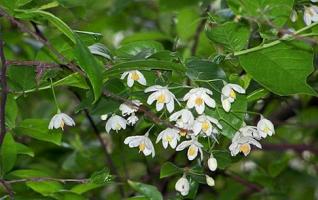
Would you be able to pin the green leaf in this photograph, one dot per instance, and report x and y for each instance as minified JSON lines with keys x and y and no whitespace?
{"x":28,"y":173}
{"x":45,"y":188}
{"x":85,"y":187}
{"x":101,"y":177}
{"x":139,"y":49}
{"x":90,"y":66}
{"x":57,"y":22}
{"x":144,"y":65}
{"x":67,"y":195}
{"x":169,"y":169}
{"x":257,"y":94}
{"x":100,"y":50}
{"x":38,"y":129}
{"x":148,"y":190}
{"x":282,"y":69}
{"x":72,"y":80}
{"x":187,"y":22}
{"x":21,"y":78}
{"x":204,"y":70}
{"x":23,"y":149}
{"x":11,"y":111}
{"x":11,"y":4}
{"x":223,"y":158}
{"x":276,"y":11}
{"x":232,"y":36}
{"x":8,"y":153}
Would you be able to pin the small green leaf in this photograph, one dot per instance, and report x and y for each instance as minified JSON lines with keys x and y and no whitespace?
{"x":100,"y":50}
{"x":138,"y":36}
{"x":257,"y":94}
{"x":233,"y":36}
{"x":28,"y":173}
{"x":8,"y":153}
{"x":204,"y":70}
{"x":90,"y":66}
{"x":72,"y":80}
{"x":282,"y":69}
{"x":148,"y":190}
{"x":101,"y":177}
{"x":139,"y":49}
{"x":46,"y":188}
{"x":169,"y":169}
{"x":85,"y":187}
{"x":38,"y":129}
{"x":23,"y":149}
{"x":11,"y":111}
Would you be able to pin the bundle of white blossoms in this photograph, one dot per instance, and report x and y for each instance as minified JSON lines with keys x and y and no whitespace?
{"x":185,"y":123}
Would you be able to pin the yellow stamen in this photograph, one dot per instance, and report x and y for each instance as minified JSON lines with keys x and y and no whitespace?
{"x":245,"y":148}
{"x":192,"y":151}
{"x":199,"y":101}
{"x":142,"y":146}
{"x":266,"y":129}
{"x":62,"y":125}
{"x":161,"y":98}
{"x":232,"y":94}
{"x":135,"y":76}
{"x":205,"y":126}
{"x":183,"y":133}
{"x":117,"y":126}
{"x":168,"y":138}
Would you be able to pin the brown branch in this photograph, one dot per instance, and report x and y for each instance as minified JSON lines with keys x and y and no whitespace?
{"x":25,"y":29}
{"x":146,"y":111}
{"x":199,"y":30}
{"x":32,"y":63}
{"x":8,"y":189}
{"x":4,"y":92}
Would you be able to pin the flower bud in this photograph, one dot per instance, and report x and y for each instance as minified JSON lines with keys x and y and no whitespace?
{"x":210,"y":181}
{"x":183,"y":186}
{"x":212,"y":164}
{"x":265,"y":127}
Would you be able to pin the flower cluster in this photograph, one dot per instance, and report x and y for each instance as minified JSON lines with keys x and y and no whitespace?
{"x":188,"y":124}
{"x":310,"y":14}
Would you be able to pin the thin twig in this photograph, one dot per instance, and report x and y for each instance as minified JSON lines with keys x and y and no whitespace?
{"x":32,"y":63}
{"x":4,"y":91}
{"x":248,"y":184}
{"x":8,"y":189}
{"x":41,"y":179}
{"x":199,"y":30}
{"x":109,"y":160}
{"x":299,"y":148}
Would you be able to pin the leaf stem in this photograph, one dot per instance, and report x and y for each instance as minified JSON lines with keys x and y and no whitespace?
{"x":54,"y":96}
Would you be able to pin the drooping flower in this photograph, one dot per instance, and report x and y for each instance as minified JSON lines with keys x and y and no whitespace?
{"x":228,"y":95}
{"x":183,"y":186}
{"x":310,"y":14}
{"x":59,"y":120}
{"x":206,"y":124}
{"x":185,"y":115}
{"x":170,"y":137}
{"x":116,"y":123}
{"x":134,"y":75}
{"x":103,"y":117}
{"x":132,"y":119}
{"x":162,"y":96}
{"x":194,"y":148}
{"x":242,"y":143}
{"x":198,"y":97}
{"x":187,"y":127}
{"x":265,"y":127}
{"x":128,"y":109}
{"x":212,"y":163}
{"x":210,"y":181}
{"x":293,"y":16}
{"x":142,"y":142}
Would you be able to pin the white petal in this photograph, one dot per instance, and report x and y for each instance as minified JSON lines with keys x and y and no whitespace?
{"x":124,"y":75}
{"x":237,"y":88}
{"x":152,"y":98}
{"x":226,"y":90}
{"x":183,"y":145}
{"x":193,"y":156}
{"x":200,"y":108}
{"x":226,"y":104}
{"x":130,"y":81}
{"x":170,"y":106}
{"x":307,"y":18}
{"x":153,"y":88}
{"x":141,"y":79}
{"x":209,"y":101}
{"x":159,"y":106}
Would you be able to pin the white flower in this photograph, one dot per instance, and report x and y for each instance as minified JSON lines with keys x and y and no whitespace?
{"x":293,"y":16}
{"x":116,"y":123}
{"x":194,"y":148}
{"x":212,"y":163}
{"x":59,"y":120}
{"x":132,"y":119}
{"x":241,"y":143}
{"x":143,"y":142}
{"x":163,"y":96}
{"x":186,"y":126}
{"x":169,"y":136}
{"x":183,"y":186}
{"x":134,"y":75}
{"x":265,"y":127}
{"x":204,"y":123}
{"x":103,"y":117}
{"x":197,"y":98}
{"x":127,"y":109}
{"x":228,"y":95}
{"x":185,"y":115}
{"x":314,"y":1}
{"x":250,"y":131}
{"x":310,"y":15}
{"x":209,"y":180}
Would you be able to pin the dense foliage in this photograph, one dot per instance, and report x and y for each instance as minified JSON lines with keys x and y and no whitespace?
{"x":158,"y":99}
